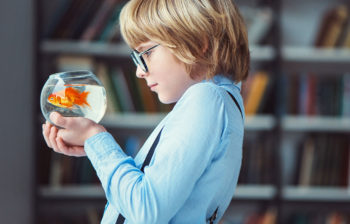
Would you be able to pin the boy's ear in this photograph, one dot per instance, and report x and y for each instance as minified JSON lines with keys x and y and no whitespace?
{"x":206,"y":45}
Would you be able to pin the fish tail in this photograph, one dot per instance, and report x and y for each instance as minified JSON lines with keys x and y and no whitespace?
{"x":83,"y":99}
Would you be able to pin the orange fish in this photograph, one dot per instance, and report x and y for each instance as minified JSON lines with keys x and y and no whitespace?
{"x":68,"y":98}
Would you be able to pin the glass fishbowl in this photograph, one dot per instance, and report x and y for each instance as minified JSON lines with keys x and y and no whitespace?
{"x":74,"y":94}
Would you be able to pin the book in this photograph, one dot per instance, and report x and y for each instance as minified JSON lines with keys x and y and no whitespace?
{"x":149,"y":100}
{"x":270,"y":216}
{"x":332,"y":25}
{"x":291,"y":94}
{"x":55,"y":175}
{"x":307,"y":162}
{"x":100,"y":19}
{"x":64,"y":20}
{"x":258,"y":21}
{"x":256,"y":91}
{"x":54,"y":19}
{"x":346,"y":42}
{"x":85,"y":173}
{"x":112,"y":26}
{"x":73,"y":21}
{"x":122,"y":90}
{"x":134,"y":89}
{"x":112,"y":99}
{"x":268,"y":98}
{"x":303,"y":92}
{"x":85,"y":19}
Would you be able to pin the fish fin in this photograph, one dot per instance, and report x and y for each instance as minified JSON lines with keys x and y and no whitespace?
{"x":72,"y":92}
{"x":82,"y":99}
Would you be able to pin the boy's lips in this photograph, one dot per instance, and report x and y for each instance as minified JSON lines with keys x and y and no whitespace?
{"x":152,"y":85}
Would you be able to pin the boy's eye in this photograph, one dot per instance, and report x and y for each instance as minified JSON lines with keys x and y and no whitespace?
{"x":148,"y":53}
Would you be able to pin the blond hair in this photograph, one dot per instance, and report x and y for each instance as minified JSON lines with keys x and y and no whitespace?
{"x":207,"y":34}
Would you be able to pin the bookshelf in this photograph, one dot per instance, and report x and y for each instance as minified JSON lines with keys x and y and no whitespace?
{"x":274,"y":134}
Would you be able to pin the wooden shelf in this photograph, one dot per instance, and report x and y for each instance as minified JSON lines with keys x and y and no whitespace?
{"x":296,"y":59}
{"x":72,"y":192}
{"x":150,"y":121}
{"x":85,"y":48}
{"x":258,"y":53}
{"x":262,"y":53}
{"x":319,"y":60}
{"x":247,"y":192}
{"x":315,"y":123}
{"x":331,"y":194}
{"x":255,"y":192}
{"x":133,"y":120}
{"x":260,"y":123}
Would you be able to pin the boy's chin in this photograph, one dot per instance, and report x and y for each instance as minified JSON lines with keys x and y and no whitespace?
{"x":166,"y":100}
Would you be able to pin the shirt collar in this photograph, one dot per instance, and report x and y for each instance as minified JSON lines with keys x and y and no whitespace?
{"x":223,"y":80}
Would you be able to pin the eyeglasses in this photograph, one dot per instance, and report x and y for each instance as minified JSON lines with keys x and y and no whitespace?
{"x":138,"y":59}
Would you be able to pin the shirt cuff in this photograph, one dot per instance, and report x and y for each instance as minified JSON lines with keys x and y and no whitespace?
{"x":102,"y":145}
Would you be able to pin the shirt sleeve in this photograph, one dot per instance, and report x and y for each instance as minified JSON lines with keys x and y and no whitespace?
{"x":186,"y":147}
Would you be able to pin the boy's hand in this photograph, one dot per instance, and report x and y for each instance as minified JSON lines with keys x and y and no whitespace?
{"x":69,"y":140}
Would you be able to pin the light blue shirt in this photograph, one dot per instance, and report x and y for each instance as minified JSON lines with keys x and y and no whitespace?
{"x":194,"y":168}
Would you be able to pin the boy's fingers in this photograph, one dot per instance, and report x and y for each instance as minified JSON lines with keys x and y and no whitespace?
{"x":52,"y":137}
{"x":58,"y":119}
{"x":46,"y":133}
{"x":62,"y":146}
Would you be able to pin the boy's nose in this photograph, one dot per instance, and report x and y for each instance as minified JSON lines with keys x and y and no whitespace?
{"x":140,"y":73}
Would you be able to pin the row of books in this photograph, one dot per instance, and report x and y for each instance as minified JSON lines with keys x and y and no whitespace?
{"x":125,"y":92}
{"x":334,"y":217}
{"x":85,"y":20}
{"x":265,"y":216}
{"x":97,"y":20}
{"x":269,"y":216}
{"x":313,"y":94}
{"x":65,"y":170}
{"x":83,"y":216}
{"x":309,"y":94}
{"x":257,"y":164}
{"x":323,"y":160}
{"x":305,"y":94}
{"x":258,"y":160}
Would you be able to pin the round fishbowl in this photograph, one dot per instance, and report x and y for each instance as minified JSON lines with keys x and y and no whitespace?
{"x":74,"y":94}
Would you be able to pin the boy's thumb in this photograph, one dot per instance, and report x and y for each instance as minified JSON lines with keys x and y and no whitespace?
{"x":58,"y":119}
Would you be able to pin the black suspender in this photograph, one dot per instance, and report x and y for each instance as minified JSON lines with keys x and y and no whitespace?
{"x":215,"y":214}
{"x":234,"y":100}
{"x":121,"y":219}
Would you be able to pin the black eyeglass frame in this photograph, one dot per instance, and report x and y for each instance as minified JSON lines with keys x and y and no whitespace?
{"x":138,"y":59}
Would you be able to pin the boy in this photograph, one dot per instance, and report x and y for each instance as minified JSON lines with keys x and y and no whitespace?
{"x":194,"y":53}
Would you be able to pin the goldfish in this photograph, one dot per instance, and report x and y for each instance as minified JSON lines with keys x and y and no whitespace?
{"x":69,"y":98}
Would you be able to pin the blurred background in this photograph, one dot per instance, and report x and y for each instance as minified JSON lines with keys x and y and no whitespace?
{"x":296,"y":163}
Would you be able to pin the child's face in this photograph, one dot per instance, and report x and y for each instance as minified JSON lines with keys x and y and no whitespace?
{"x":166,"y":75}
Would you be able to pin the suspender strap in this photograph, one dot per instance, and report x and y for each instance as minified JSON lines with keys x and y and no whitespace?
{"x":121,"y":218}
{"x":151,"y":151}
{"x":215,"y":214}
{"x":234,"y":100}
{"x":211,"y":220}
{"x":213,"y":217}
